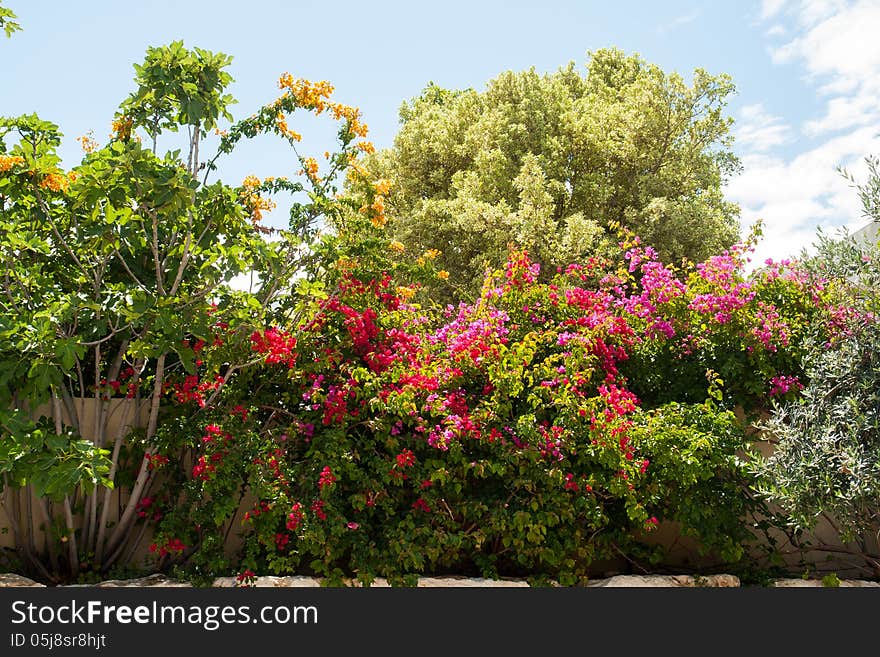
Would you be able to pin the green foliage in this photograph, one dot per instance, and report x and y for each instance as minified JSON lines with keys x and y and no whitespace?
{"x":52,"y":464}
{"x":551,"y":162}
{"x":698,"y":474}
{"x":178,"y":87}
{"x":7,"y":21}
{"x":827,"y":454}
{"x":114,"y":277}
{"x":869,"y":190}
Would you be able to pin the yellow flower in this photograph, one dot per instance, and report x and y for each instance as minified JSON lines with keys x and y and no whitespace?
{"x":281,"y":122}
{"x":382,"y":186}
{"x":344,"y":263}
{"x":8,"y":161}
{"x":309,"y":95}
{"x":366,"y":147}
{"x":55,"y":181}
{"x":250,"y":182}
{"x":443,"y":274}
{"x":405,"y":292}
{"x":430,"y":254}
{"x":311,"y":168}
{"x":87,"y":143}
{"x":258,"y":205}
{"x":122,"y":128}
{"x":397,"y":247}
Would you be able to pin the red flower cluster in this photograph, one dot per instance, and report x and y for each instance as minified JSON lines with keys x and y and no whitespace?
{"x":278,"y":346}
{"x":326,"y":478}
{"x":264,"y":507}
{"x":171,"y":545}
{"x":295,"y":517}
{"x":155,"y":460}
{"x":202,"y":469}
{"x":145,"y":509}
{"x":406,"y":458}
{"x":192,"y":389}
{"x":421,"y":505}
{"x":318,"y":509}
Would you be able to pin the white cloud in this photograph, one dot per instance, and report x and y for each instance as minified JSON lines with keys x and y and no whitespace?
{"x":846,"y":112}
{"x":795,"y":197}
{"x":839,"y":46}
{"x":769,"y":8}
{"x":835,"y":41}
{"x":759,"y":131}
{"x":809,"y":12}
{"x":776,"y":31}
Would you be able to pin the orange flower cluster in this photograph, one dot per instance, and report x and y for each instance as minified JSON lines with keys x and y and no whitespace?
{"x":281,"y":122}
{"x":87,"y":143}
{"x":122,"y":127}
{"x":311,"y":95}
{"x":397,"y":247}
{"x":55,"y":181}
{"x":311,"y":169}
{"x":316,"y":96}
{"x":376,"y":209}
{"x":9,"y":161}
{"x":256,"y":203}
{"x":430,"y":254}
{"x":405,"y":292}
{"x":352,"y":115}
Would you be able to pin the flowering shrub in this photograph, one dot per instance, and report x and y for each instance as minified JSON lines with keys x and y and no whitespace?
{"x":750,"y":330}
{"x":387,"y":438}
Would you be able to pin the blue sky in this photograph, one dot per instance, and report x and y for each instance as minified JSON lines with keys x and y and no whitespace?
{"x":807,"y":74}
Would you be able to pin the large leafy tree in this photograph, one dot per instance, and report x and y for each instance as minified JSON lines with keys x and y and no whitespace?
{"x":552,"y":162}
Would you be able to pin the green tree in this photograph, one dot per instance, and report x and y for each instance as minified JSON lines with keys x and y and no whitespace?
{"x":114,"y":276}
{"x":552,"y":162}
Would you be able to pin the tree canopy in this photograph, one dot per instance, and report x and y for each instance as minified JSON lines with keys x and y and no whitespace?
{"x":553,"y":162}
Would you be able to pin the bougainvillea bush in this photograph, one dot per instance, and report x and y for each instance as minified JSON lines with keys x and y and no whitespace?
{"x":382,"y":436}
